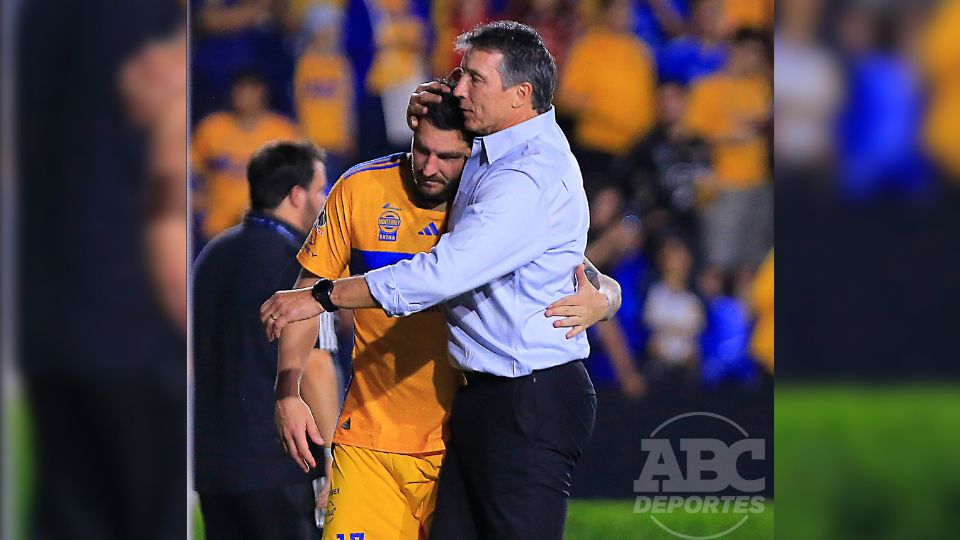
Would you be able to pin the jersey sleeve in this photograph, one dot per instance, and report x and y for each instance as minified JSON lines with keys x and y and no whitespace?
{"x":326,"y":252}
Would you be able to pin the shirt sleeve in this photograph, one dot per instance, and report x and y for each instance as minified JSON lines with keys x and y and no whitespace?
{"x":326,"y":252}
{"x":503,"y":228}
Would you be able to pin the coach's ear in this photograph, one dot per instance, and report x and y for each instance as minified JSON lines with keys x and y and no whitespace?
{"x":523,"y":93}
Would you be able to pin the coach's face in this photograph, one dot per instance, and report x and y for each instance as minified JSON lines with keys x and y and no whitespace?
{"x":487,"y":105}
{"x":438,"y":160}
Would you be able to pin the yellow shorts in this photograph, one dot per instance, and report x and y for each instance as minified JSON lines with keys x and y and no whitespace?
{"x":380,"y":496}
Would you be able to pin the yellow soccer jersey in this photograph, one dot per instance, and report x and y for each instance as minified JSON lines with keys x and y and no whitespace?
{"x":403,"y":383}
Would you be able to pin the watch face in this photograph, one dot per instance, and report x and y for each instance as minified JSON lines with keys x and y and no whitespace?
{"x":321,"y":293}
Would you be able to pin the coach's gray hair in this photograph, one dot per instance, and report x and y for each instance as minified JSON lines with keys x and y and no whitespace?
{"x":525,"y":57}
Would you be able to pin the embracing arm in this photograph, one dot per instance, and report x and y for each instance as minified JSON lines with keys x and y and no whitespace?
{"x":607,"y":286}
{"x":503,"y":228}
{"x":597,"y":299}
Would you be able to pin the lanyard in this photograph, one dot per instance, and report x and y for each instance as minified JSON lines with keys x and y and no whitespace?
{"x":273,"y":225}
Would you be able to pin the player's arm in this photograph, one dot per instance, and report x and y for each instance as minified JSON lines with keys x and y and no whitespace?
{"x":597,"y":299}
{"x":294,"y":418}
{"x":319,"y":387}
{"x":319,"y":384}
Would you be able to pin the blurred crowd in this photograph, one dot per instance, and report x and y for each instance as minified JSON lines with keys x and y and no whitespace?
{"x":667,"y":103}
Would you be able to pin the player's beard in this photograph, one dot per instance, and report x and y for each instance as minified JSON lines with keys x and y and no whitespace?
{"x":432,"y":198}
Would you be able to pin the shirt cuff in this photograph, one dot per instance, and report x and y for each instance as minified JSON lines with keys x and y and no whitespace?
{"x":383,"y":288}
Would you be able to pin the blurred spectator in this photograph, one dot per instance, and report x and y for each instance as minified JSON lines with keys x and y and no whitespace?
{"x":662,"y":174}
{"x":880,"y":152}
{"x":623,"y":339}
{"x":450,"y":19}
{"x":298,"y":12}
{"x":557,"y":21}
{"x":608,"y":86}
{"x":230,"y":35}
{"x":807,"y":93}
{"x":153,"y":84}
{"x":731,"y":111}
{"x":701,"y":51}
{"x":323,"y":89}
{"x":223,"y":143}
{"x":941,"y":57}
{"x":398,"y":65}
{"x":761,"y":344}
{"x":726,"y":338}
{"x":611,"y":236}
{"x":675,"y":318}
{"x":658,"y":21}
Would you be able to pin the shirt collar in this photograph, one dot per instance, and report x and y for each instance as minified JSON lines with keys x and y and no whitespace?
{"x":496,"y":145}
{"x":282,"y":227}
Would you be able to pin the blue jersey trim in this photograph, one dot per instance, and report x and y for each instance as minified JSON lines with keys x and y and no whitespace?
{"x":363,"y":261}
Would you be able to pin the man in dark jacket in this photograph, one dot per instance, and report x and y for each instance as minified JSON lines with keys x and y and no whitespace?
{"x":248,"y":487}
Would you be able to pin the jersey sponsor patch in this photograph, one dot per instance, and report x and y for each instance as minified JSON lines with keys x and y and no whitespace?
{"x":389,"y":224}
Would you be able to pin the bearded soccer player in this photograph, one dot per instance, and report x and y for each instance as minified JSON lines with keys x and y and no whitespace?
{"x":390,"y":437}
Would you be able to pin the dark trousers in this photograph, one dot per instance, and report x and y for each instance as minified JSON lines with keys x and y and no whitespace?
{"x":513,"y":446}
{"x":283,"y":513}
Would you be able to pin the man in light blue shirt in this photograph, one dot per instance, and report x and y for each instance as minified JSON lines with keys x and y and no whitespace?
{"x":517,"y":229}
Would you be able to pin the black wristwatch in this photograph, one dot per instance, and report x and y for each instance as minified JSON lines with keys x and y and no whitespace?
{"x":321,"y":293}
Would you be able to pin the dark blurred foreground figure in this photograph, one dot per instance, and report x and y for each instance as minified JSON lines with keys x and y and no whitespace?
{"x":103,"y":365}
{"x":248,"y":487}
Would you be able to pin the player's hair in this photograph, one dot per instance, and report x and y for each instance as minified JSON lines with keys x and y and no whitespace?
{"x":525,"y":57}
{"x":276,"y":168}
{"x":447,"y":115}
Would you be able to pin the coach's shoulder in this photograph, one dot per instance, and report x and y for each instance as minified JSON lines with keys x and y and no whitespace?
{"x":547,"y":163}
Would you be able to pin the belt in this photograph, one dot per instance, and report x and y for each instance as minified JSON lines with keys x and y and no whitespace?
{"x":479,"y":377}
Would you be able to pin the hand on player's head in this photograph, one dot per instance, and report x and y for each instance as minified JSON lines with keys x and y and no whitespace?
{"x":426,"y":93}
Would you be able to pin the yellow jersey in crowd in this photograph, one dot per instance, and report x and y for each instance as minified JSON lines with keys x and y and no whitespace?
{"x":609,"y":81}
{"x":720,"y":109}
{"x":323,"y":87}
{"x":403,"y":383}
{"x":221,"y":148}
{"x":761,"y":343}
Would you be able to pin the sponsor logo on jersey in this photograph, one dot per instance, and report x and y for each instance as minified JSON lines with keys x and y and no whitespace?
{"x":388,"y":223}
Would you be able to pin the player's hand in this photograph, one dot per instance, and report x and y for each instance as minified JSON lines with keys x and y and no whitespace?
{"x":582,"y":309}
{"x":294,"y":424}
{"x":429,"y":92}
{"x":285,"y":307}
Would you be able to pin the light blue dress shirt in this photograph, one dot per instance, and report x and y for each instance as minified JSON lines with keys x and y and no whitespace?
{"x":517,"y":230}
